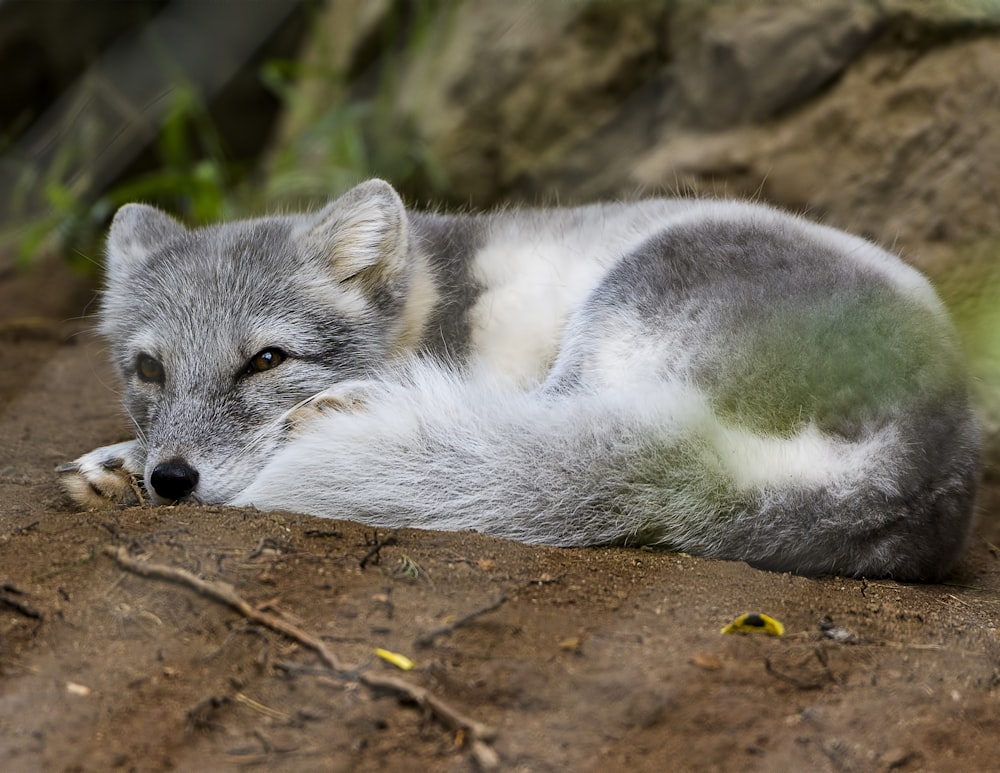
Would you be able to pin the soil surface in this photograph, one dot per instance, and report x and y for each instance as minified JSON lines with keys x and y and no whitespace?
{"x":578,"y":659}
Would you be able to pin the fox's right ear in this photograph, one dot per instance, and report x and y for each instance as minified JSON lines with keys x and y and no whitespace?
{"x":136,"y":230}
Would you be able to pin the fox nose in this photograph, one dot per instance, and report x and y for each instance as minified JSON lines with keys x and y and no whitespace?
{"x":174,"y":479}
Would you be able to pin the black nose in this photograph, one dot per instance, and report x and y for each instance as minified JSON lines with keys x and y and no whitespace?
{"x":174,"y":479}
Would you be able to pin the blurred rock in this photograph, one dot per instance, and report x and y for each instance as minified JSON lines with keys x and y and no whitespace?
{"x":878,"y":116}
{"x":751,"y":63}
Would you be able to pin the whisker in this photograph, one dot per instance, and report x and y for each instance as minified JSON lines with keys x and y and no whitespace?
{"x":267,"y":432}
{"x":140,"y":435}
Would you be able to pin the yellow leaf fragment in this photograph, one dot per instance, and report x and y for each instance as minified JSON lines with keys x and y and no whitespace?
{"x":77,"y":689}
{"x":572,"y":644}
{"x":755,"y":622}
{"x":399,"y":661}
{"x":706,"y":661}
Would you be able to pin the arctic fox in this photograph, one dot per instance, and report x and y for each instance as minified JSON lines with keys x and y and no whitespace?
{"x":715,"y":377}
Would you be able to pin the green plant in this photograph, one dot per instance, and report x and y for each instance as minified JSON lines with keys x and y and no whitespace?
{"x":355,"y":134}
{"x":191,"y":177}
{"x":359,"y":132}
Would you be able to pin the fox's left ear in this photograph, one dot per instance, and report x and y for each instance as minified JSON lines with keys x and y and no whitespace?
{"x":137,"y":230}
{"x":362,"y":234}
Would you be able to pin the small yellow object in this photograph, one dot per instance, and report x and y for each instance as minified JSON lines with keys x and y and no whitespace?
{"x":755,"y":622}
{"x":399,"y":661}
{"x":77,"y":689}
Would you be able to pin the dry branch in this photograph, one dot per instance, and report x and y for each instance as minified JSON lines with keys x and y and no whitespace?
{"x":475,"y":732}
{"x":427,"y":639}
{"x":9,"y":597}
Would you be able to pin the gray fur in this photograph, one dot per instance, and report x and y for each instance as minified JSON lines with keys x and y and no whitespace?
{"x":449,"y":242}
{"x":713,"y":377}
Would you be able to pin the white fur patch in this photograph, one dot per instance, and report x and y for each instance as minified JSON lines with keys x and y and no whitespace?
{"x":518,"y":322}
{"x":809,"y":459}
{"x":538,"y":270}
{"x":626,"y":351}
{"x":393,"y":454}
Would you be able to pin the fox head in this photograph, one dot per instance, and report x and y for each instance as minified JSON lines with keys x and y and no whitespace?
{"x":217,"y":332}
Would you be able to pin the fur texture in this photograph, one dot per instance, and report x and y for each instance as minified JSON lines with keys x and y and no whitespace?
{"x":711,"y":376}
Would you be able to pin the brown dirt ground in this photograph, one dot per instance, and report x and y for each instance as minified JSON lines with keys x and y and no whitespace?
{"x":598,"y":658}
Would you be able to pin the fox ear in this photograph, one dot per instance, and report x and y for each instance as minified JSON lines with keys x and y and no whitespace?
{"x":363,"y":233}
{"x":136,"y":230}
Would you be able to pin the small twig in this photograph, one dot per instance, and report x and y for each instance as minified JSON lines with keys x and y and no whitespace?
{"x":333,"y":533}
{"x":427,"y":639}
{"x":376,"y":546}
{"x":268,"y":543}
{"x":804,"y":684}
{"x":199,"y":715}
{"x":137,"y":490}
{"x":260,"y":708}
{"x":224,"y":593}
{"x":295,"y":669}
{"x":8,"y":597}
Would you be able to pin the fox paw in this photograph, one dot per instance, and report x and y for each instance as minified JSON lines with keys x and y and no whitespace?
{"x":107,"y":476}
{"x":350,"y":398}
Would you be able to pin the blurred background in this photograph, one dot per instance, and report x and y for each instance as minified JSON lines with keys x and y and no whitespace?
{"x":878,"y":116}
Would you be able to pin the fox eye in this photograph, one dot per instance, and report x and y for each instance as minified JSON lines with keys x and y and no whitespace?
{"x":265,"y":359}
{"x":149,"y":369}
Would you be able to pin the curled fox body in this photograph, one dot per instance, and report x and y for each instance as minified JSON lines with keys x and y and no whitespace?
{"x":715,"y":377}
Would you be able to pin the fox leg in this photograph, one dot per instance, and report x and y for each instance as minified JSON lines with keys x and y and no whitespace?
{"x":350,"y":397}
{"x":107,"y":476}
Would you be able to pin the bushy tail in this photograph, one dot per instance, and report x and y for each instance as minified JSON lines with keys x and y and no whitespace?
{"x":645,"y":464}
